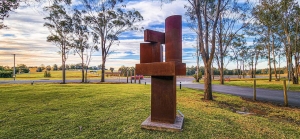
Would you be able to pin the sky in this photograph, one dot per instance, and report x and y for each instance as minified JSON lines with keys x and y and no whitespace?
{"x":26,"y":37}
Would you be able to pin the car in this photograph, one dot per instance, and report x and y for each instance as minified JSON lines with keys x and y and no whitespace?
{"x":138,"y":77}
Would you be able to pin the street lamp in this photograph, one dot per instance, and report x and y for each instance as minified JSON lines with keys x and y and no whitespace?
{"x":14,"y":74}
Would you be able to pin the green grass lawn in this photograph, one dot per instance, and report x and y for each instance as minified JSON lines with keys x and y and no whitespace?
{"x":117,"y":111}
{"x":260,"y":83}
{"x":55,"y":75}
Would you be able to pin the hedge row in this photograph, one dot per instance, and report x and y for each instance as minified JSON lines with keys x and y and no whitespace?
{"x":6,"y":74}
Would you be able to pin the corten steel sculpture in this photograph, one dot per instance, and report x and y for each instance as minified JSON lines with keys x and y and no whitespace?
{"x":163,"y":74}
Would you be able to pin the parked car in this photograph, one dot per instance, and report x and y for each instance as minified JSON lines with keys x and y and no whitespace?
{"x":137,"y":77}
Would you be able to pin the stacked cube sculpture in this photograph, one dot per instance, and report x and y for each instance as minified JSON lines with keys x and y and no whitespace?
{"x":163,"y":74}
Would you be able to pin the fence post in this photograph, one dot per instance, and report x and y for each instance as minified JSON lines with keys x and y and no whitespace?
{"x":254,"y":90}
{"x":285,"y":94}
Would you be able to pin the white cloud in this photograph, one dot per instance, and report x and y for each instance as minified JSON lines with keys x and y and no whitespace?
{"x":30,"y":45}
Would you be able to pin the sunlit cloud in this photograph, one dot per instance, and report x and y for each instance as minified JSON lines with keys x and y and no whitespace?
{"x":27,"y":36}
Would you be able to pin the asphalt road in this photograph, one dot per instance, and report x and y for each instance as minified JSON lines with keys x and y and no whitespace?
{"x":274,"y":96}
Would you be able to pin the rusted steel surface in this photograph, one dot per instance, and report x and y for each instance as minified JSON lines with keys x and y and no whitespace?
{"x":145,"y":53}
{"x":173,"y":39}
{"x":154,"y":36}
{"x":163,"y":74}
{"x":180,"y":69}
{"x":161,"y":69}
{"x":151,"y":52}
{"x":163,"y":99}
{"x":156,"y":69}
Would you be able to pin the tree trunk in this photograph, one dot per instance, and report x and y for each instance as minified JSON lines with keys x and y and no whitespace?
{"x":197,"y":69}
{"x":212,"y":72}
{"x":274,"y":62}
{"x":296,"y":69}
{"x":296,"y":55}
{"x":207,"y":83}
{"x":86,"y":69}
{"x":63,"y":65}
{"x":82,"y":67}
{"x":243,"y":72}
{"x":103,"y":71}
{"x":269,"y":63}
{"x":269,"y":55}
{"x":237,"y":68}
{"x":240,"y":71}
{"x":252,"y":70}
{"x":222,"y":69}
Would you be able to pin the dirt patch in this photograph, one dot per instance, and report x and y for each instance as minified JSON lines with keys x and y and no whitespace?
{"x":283,"y":118}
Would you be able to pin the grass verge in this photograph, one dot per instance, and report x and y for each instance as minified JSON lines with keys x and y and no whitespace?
{"x":117,"y":111}
{"x":56,"y":75}
{"x":260,"y":83}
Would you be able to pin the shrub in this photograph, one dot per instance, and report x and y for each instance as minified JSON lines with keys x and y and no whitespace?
{"x":47,"y":74}
{"x":199,"y":76}
{"x":26,"y":70}
{"x":6,"y":74}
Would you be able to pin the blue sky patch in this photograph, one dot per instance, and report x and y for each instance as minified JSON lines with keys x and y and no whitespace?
{"x":8,"y":35}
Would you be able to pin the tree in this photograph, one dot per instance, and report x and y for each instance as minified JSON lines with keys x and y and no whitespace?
{"x":197,"y":76}
{"x":237,"y":49}
{"x":108,"y":19}
{"x":82,"y":43}
{"x":111,"y":69}
{"x":288,"y":12}
{"x":60,"y":27}
{"x":7,"y":6}
{"x":232,"y":21}
{"x":55,"y":67}
{"x":22,"y":68}
{"x":280,"y":19}
{"x":48,"y":68}
{"x":205,"y":15}
{"x":80,"y":38}
{"x":265,"y":13}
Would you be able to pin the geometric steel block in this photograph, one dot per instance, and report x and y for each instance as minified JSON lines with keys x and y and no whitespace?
{"x":163,"y":99}
{"x":163,"y":74}
{"x":180,"y":69}
{"x":161,"y":69}
{"x":156,"y":69}
{"x":154,"y":36}
{"x":173,"y":39}
{"x":151,"y":52}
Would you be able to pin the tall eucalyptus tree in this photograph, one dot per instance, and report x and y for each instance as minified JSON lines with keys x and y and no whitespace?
{"x":108,"y":19}
{"x":205,"y":15}
{"x":82,"y":42}
{"x":59,"y":24}
{"x":232,"y":21}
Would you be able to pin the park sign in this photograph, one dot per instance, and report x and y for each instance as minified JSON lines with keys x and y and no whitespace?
{"x":163,"y":74}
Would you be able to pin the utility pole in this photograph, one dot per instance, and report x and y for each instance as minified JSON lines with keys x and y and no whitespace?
{"x":14,"y":67}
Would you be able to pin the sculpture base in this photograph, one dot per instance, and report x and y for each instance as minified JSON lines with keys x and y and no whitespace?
{"x":177,"y":126}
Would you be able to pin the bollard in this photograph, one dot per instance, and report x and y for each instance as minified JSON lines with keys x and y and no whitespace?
{"x":285,"y":94}
{"x":180,"y":85}
{"x":254,"y":90}
{"x":145,"y":83}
